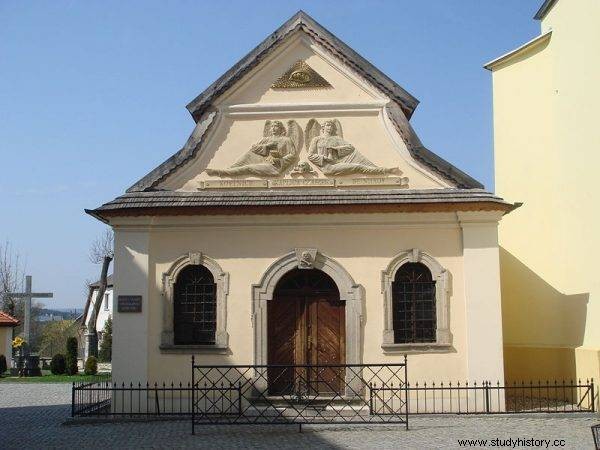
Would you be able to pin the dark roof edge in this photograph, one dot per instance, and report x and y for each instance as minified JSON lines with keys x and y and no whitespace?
{"x":96,"y":215}
{"x":203,"y":101}
{"x":425,"y":156}
{"x":184,"y":155}
{"x":544,"y":9}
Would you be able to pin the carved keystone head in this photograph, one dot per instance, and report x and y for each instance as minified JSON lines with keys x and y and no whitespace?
{"x":195,"y":258}
{"x":306,"y":257}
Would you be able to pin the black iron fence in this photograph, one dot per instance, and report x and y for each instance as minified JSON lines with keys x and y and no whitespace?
{"x":105,"y":399}
{"x":302,"y":394}
{"x":299,"y":394}
{"x":507,"y":398}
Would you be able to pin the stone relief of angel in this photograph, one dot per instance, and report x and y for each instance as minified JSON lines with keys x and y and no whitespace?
{"x":328,"y":150}
{"x":271,"y":156}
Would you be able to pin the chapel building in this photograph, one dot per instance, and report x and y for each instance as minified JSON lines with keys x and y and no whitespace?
{"x":305,"y":222}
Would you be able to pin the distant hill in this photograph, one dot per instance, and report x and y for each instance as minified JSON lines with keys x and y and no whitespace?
{"x":47,"y":314}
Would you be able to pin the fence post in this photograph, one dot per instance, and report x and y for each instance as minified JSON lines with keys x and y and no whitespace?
{"x":73,"y":400}
{"x":487,"y":396}
{"x":406,"y":388}
{"x":371,"y":398}
{"x":593,"y":396}
{"x":193,"y":407}
{"x":157,"y":404}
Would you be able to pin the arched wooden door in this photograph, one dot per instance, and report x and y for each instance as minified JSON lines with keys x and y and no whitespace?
{"x":306,"y":326}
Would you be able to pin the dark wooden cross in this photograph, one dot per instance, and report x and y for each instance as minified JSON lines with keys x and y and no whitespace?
{"x":28,"y":295}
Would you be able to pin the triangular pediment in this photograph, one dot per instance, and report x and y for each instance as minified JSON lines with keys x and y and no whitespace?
{"x":303,"y":109}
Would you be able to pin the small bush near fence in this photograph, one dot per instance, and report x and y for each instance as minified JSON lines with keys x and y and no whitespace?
{"x":91,"y":366}
{"x":3,"y":366}
{"x":72,"y":356}
{"x":58,"y":365}
{"x":105,"y":353}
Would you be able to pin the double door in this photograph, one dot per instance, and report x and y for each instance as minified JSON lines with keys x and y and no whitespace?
{"x":306,"y":330}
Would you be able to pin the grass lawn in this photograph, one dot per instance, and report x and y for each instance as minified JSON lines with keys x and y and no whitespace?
{"x":47,"y":377}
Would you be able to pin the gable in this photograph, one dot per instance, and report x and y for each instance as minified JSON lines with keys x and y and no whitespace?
{"x":377,"y":144}
{"x":257,"y":86}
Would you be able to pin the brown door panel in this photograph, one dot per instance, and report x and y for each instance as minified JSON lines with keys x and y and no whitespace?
{"x":306,"y":325}
{"x":282,"y":341}
{"x":327,"y":321}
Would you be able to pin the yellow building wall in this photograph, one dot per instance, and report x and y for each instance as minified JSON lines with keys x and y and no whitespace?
{"x":547,"y":143}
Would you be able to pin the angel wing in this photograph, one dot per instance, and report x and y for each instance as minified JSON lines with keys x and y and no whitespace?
{"x":294,"y":132}
{"x":267,"y":129}
{"x":313,"y":129}
{"x":338,"y":128}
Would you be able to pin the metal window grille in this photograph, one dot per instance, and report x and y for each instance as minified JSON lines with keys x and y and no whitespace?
{"x":306,"y":281}
{"x":413,"y":305}
{"x":195,"y":307}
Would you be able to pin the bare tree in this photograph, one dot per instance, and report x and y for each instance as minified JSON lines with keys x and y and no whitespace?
{"x":102,"y":247}
{"x":101,"y":252}
{"x":12,"y":277}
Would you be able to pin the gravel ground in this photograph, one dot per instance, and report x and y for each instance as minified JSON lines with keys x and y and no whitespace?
{"x":32,"y":416}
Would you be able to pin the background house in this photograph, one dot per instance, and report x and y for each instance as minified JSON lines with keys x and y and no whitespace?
{"x":7,"y":323}
{"x":105,"y":311}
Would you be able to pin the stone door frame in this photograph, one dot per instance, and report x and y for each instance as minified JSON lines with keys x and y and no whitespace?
{"x":306,"y":258}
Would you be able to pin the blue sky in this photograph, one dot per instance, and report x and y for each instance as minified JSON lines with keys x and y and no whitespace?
{"x":93,"y":95}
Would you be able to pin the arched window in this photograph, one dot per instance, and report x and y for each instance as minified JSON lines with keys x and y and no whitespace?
{"x":413,"y":304}
{"x":195,"y":306}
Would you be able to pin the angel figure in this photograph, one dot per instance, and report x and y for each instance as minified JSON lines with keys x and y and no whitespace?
{"x":333,"y":155}
{"x":271,"y":156}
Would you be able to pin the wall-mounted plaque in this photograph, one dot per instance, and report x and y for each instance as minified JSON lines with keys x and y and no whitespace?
{"x":129,"y":303}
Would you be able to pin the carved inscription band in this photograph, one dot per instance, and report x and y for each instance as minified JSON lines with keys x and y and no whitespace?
{"x":399,"y":182}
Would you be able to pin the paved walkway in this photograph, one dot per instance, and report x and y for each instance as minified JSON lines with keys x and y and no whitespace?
{"x":31,"y":416}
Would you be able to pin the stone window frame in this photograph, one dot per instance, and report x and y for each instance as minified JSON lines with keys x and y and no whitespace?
{"x":443,"y":287}
{"x":169,"y":278}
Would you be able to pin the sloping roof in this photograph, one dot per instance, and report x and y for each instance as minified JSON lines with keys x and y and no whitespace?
{"x":510,"y":56}
{"x":544,"y":9}
{"x":402,"y":105}
{"x":6,"y":320}
{"x":305,"y":200}
{"x":109,"y":282}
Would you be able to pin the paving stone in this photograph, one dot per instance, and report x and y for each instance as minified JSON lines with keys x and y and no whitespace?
{"x":32,"y":416}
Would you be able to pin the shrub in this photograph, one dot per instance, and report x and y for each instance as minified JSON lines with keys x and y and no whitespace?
{"x":72,"y":356}
{"x":3,"y":366}
{"x":105,"y":354}
{"x":91,"y":366}
{"x":58,"y":365}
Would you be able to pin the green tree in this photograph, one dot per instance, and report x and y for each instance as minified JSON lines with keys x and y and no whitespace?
{"x":54,"y":335}
{"x":72,"y":356}
{"x":105,"y":354}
